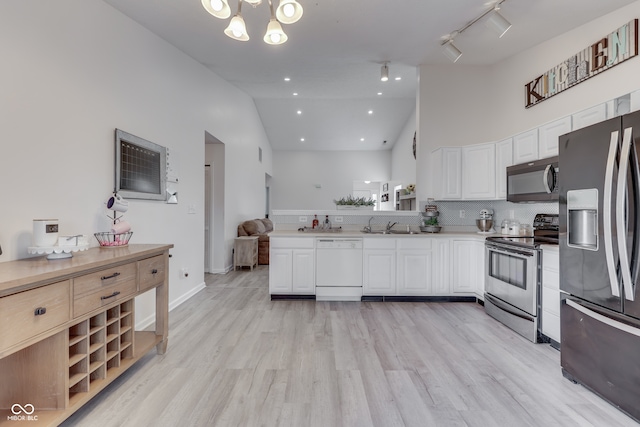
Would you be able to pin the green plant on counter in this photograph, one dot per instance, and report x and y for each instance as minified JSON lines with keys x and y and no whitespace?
{"x":433,"y":221}
{"x":354,"y":201}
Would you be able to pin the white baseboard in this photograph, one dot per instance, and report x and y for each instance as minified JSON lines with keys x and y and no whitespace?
{"x":222,"y":271}
{"x":151,"y":319}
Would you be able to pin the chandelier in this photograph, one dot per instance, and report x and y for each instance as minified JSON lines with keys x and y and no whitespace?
{"x":288,"y":12}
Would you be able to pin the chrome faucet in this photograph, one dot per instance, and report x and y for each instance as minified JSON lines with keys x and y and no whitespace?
{"x":390,"y":226}
{"x":367,"y":228}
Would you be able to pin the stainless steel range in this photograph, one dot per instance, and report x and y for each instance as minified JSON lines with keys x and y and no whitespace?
{"x":513,"y":276}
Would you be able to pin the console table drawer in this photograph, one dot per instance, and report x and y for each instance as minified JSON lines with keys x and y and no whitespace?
{"x":52,"y":302}
{"x":151,"y":272}
{"x":96,"y":290}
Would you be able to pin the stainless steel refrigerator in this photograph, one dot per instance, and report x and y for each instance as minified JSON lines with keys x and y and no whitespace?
{"x":600,"y":259}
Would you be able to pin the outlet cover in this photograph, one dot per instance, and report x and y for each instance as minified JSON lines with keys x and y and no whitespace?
{"x":338,"y":219}
{"x":302,"y":219}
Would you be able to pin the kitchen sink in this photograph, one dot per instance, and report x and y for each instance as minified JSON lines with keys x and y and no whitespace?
{"x":390,"y":232}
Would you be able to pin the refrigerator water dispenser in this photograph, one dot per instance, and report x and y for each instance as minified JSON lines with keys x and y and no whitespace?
{"x":582,"y":219}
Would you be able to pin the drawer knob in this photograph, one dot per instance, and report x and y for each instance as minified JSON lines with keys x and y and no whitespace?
{"x":116,"y":293}
{"x":40,"y":311}
{"x":154,"y":271}
{"x":116,"y":274}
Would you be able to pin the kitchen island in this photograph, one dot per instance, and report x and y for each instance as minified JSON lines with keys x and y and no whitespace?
{"x":395,"y":265}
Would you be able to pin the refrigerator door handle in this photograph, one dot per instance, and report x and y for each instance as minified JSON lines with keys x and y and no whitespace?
{"x":607,"y":212}
{"x":621,"y":223}
{"x":604,"y":319}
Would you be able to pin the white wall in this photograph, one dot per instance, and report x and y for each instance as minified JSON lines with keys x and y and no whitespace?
{"x":403,"y":164}
{"x":293,"y":185}
{"x":463,"y":105}
{"x":73,"y":70}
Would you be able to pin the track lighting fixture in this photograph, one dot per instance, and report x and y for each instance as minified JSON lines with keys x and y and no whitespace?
{"x":384,"y":72}
{"x":287,"y":12}
{"x":451,"y":51}
{"x":498,"y":23}
{"x":495,"y":21}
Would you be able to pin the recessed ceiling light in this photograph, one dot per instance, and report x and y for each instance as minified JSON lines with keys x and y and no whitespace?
{"x":379,"y":93}
{"x":299,"y":112}
{"x":287,"y":79}
{"x":367,"y":182}
{"x":361,"y":139}
{"x":398,"y":78}
{"x":370,"y":111}
{"x":301,"y":139}
{"x":295,"y":93}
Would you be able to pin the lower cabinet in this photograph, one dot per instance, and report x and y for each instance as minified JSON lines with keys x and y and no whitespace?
{"x":292,"y":266}
{"x":551,"y":292}
{"x":379,"y":264}
{"x":415,"y":266}
{"x":468,"y":267}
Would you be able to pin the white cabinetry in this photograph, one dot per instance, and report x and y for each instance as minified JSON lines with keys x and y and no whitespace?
{"x":415,"y":261}
{"x":634,"y":99}
{"x":379,"y":276}
{"x":441,"y":267}
{"x":504,"y":159}
{"x":479,"y":171}
{"x":292,"y":265}
{"x":525,"y":147}
{"x":446,"y":164}
{"x":548,"y":136}
{"x":589,"y":116}
{"x":551,"y":292}
{"x":468,"y":267}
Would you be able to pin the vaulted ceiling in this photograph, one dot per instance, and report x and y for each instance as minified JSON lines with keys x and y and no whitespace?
{"x":334,"y":55}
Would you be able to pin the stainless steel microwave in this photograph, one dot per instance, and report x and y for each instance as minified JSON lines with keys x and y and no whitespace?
{"x":533,"y":181}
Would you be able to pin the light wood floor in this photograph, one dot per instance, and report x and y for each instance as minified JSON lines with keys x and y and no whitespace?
{"x":235,"y":358}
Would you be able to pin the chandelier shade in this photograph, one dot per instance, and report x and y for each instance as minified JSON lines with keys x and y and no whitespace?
{"x":289,"y":11}
{"x":218,"y":8}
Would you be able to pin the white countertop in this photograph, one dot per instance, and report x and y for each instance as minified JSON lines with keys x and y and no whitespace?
{"x":357,"y":233}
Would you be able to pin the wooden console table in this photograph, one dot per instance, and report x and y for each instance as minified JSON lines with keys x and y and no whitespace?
{"x":67,"y":327}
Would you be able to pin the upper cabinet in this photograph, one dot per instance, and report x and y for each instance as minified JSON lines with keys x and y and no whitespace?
{"x":447,"y":183}
{"x":589,"y":116}
{"x":479,"y":171}
{"x":525,"y":147}
{"x":634,"y":100}
{"x":504,"y":159}
{"x":548,"y":136}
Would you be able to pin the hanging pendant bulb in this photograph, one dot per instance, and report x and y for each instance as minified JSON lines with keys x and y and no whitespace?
{"x":289,"y":11}
{"x":218,"y":8}
{"x":237,"y":29}
{"x":275,"y":34}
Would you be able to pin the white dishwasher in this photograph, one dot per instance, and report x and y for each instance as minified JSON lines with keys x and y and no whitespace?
{"x":338,"y":269}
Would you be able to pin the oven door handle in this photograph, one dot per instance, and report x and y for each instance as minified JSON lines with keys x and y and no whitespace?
{"x":504,"y":307}
{"x":505,"y":251}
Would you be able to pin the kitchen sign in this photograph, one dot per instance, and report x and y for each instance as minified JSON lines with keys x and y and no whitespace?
{"x":610,"y":51}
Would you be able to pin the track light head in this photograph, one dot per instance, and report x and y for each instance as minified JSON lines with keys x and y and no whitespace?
{"x":451,"y":51}
{"x":498,"y":23}
{"x":384,"y":72}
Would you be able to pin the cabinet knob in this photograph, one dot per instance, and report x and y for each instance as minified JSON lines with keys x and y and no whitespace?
{"x":40,"y":311}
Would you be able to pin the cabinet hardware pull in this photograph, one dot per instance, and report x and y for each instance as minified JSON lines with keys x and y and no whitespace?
{"x":116,"y":293}
{"x":116,"y":274}
{"x":154,"y":271}
{"x":40,"y":311}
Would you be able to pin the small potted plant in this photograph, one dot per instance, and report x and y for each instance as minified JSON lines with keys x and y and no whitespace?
{"x":431,"y":225}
